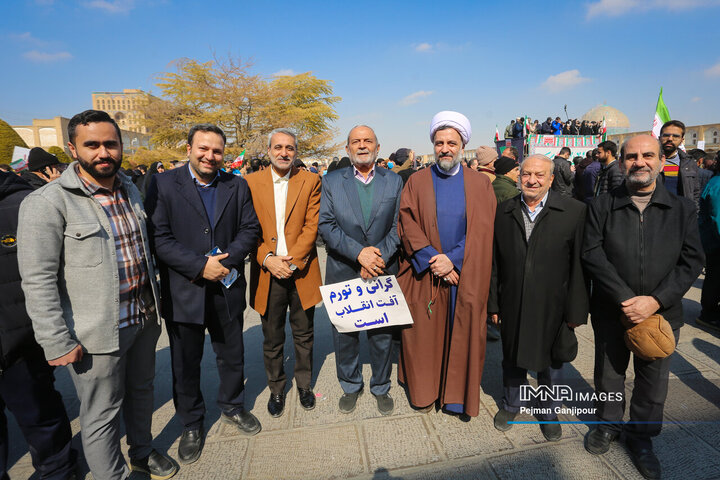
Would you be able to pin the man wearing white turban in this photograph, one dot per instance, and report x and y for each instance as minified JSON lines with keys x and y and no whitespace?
{"x":446,"y":229}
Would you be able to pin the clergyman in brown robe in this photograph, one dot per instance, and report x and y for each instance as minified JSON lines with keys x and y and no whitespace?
{"x":445,"y":226}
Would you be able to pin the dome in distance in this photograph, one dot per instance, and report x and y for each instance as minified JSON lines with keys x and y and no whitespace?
{"x":615,"y":120}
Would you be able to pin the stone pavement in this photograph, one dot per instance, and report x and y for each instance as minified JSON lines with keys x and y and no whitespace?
{"x":323,"y":443}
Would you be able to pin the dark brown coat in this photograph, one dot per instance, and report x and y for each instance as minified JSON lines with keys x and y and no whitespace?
{"x":433,"y":365}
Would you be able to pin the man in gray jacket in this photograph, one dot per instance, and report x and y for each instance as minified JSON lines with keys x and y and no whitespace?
{"x":90,"y":290}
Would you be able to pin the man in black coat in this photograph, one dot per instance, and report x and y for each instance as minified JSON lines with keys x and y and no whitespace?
{"x":538,"y":290}
{"x":26,"y":379}
{"x":564,"y":173}
{"x":43,"y":168}
{"x":642,"y":250}
{"x":194,"y":211}
{"x":610,"y":176}
{"x":546,"y":127}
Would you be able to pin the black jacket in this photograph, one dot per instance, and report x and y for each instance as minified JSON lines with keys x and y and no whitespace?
{"x":33,"y":180}
{"x":537,"y":284}
{"x":16,"y":333}
{"x":688,"y":178}
{"x":564,"y":177}
{"x":546,"y":128}
{"x":627,"y":254}
{"x":609,"y":178}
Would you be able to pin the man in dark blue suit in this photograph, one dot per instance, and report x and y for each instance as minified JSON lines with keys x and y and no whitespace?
{"x":358,"y":223}
{"x":195,"y":211}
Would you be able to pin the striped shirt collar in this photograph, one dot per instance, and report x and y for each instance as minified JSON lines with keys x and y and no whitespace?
{"x":360,"y":177}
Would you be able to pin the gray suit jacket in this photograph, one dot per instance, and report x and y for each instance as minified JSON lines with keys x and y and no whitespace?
{"x":342,"y":227}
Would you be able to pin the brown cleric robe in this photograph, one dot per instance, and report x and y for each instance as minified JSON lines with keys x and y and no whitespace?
{"x":432,"y":365}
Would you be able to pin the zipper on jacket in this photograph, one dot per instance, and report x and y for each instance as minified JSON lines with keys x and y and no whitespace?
{"x":642,"y":255}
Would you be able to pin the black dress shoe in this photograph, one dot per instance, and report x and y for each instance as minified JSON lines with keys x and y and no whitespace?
{"x":191,"y":445}
{"x":276,"y":404}
{"x":157,"y":465}
{"x":645,"y":461}
{"x":598,"y":440}
{"x":246,"y":422}
{"x":307,"y":398}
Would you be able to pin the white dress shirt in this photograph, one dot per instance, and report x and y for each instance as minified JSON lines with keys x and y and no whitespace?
{"x":280,"y":187}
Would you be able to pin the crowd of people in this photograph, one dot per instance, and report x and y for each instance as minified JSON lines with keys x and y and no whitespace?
{"x":524,"y":126}
{"x":96,"y":258}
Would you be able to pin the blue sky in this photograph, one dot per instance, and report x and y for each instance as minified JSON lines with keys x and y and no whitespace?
{"x":395,"y":64}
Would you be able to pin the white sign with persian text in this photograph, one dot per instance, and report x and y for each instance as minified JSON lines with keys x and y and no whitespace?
{"x":360,"y":304}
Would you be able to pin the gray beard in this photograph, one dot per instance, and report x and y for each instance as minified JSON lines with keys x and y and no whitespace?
{"x":447,"y":165}
{"x":356,"y":161}
{"x":636,"y":183}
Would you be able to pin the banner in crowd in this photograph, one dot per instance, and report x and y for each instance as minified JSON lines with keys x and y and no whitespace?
{"x":19,"y":158}
{"x":365,"y":304}
{"x":550,"y":145}
{"x":518,"y":143}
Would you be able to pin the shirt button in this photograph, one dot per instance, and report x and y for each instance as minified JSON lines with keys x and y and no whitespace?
{"x":78,"y":234}
{"x":207,"y":230}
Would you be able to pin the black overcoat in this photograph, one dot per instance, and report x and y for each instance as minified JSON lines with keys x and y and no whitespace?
{"x":537,"y":284}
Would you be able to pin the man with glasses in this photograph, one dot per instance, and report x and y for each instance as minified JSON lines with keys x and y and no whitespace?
{"x":680,"y":171}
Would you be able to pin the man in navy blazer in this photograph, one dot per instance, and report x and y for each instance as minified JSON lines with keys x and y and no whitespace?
{"x":193,"y":211}
{"x":358,"y":223}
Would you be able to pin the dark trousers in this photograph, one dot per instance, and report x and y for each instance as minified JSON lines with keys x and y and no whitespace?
{"x":651,"y":383}
{"x":710,"y":298}
{"x":347,"y":360}
{"x":282,"y":295}
{"x":27,"y":389}
{"x":514,"y":376}
{"x":186,"y":350}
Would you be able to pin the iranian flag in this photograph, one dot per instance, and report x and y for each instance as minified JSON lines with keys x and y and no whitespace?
{"x":661,"y":116}
{"x":497,"y":134}
{"x":237,"y":163}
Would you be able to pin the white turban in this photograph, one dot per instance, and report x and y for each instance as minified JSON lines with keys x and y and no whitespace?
{"x":456,"y":120}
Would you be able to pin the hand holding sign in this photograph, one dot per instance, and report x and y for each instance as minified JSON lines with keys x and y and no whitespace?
{"x":364,"y":304}
{"x":371,"y":260}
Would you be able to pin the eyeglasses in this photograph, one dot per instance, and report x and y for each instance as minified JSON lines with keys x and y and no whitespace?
{"x":670,"y":135}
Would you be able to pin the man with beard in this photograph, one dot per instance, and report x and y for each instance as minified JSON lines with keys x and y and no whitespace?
{"x":358,"y":223}
{"x":90,"y":290}
{"x":637,"y":270}
{"x":610,"y":176}
{"x":680,"y":171}
{"x":285,"y":271}
{"x":538,"y":290}
{"x":446,"y":228}
{"x":204,"y":225}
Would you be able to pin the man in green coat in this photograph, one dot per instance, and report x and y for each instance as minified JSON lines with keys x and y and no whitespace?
{"x":506,"y":175}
